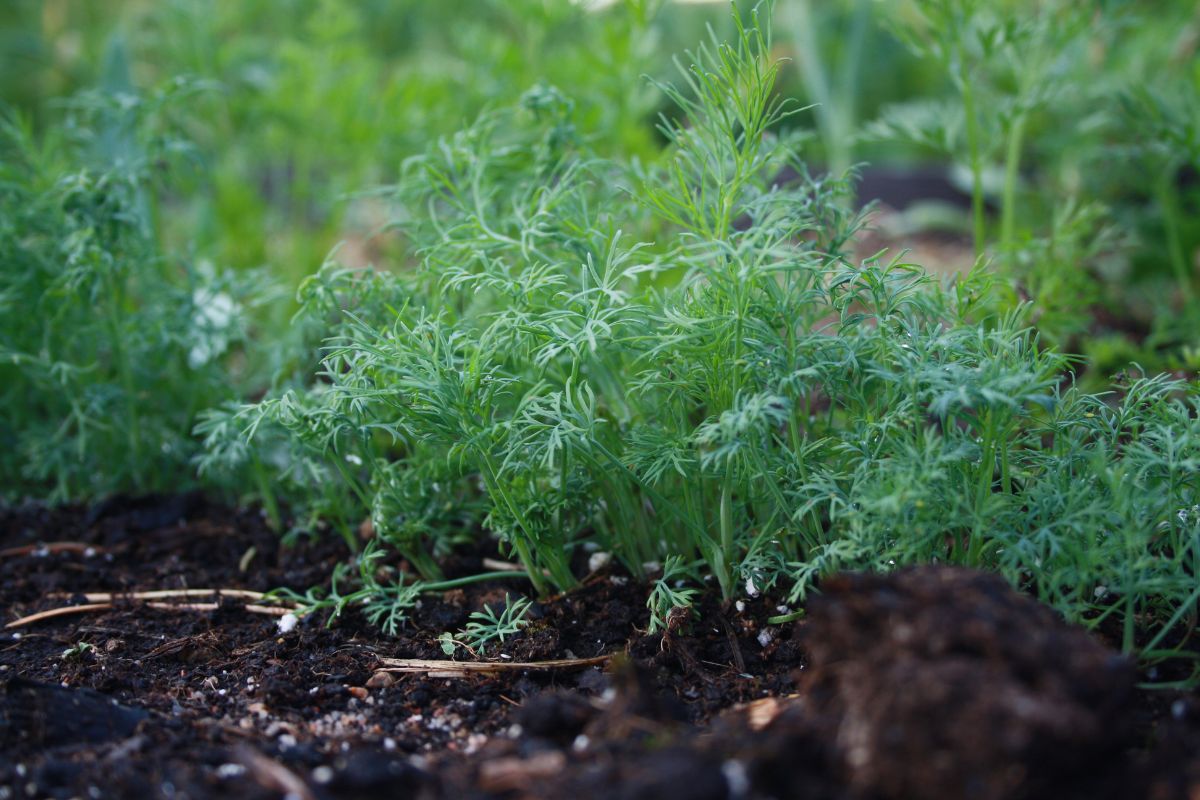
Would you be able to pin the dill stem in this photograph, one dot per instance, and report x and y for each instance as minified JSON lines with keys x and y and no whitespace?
{"x":727,"y":531}
{"x":987,"y":476}
{"x":274,"y":518}
{"x":1012,"y":162}
{"x":977,"y":214}
{"x":121,"y":359}
{"x":454,"y":583}
{"x":520,"y":542}
{"x":1168,"y":201}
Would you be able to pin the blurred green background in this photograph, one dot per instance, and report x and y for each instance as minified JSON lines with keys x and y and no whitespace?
{"x":308,"y":102}
{"x":311,"y":101}
{"x":1055,"y":141}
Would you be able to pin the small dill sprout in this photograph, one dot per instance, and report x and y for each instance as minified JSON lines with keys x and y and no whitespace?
{"x":486,"y":627}
{"x":667,"y":595}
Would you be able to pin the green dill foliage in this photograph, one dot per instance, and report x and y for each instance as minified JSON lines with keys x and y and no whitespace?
{"x":1075,"y":121}
{"x":325,"y":97}
{"x":1007,"y":62}
{"x":486,"y":627}
{"x":670,"y":591}
{"x":109,"y":347}
{"x":385,"y":602}
{"x":386,"y":596}
{"x":1163,"y":120}
{"x":681,"y":363}
{"x":1019,"y":70}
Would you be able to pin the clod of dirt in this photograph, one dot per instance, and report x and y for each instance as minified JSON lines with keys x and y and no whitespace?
{"x":40,"y":715}
{"x":558,"y":716}
{"x":943,"y":682}
{"x":146,"y":513}
{"x":374,"y":773}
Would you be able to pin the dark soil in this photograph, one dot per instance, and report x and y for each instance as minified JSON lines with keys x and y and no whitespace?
{"x":930,"y":683}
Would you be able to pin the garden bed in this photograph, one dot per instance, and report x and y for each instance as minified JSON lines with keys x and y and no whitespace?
{"x":931,"y":683}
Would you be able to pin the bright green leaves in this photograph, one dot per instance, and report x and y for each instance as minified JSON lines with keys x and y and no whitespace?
{"x":728,"y":105}
{"x":736,"y":399}
{"x":112,"y":347}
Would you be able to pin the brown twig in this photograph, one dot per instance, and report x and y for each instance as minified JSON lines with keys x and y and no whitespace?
{"x":90,"y":607}
{"x":57,"y":612}
{"x":273,"y":611}
{"x":496,"y":565}
{"x":446,"y":668}
{"x":50,"y":547}
{"x":735,"y":648}
{"x":514,"y":774}
{"x":163,"y":594}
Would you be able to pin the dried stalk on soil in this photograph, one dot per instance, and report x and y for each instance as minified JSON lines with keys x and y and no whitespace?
{"x":51,"y":547}
{"x":274,"y":776}
{"x":88,"y":608}
{"x":161,"y":594}
{"x":57,"y":612}
{"x":448,"y":668}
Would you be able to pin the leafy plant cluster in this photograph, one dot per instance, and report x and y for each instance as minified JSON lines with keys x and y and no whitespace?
{"x":135,"y":220}
{"x":109,"y":346}
{"x":683,"y":363}
{"x":1076,"y":122}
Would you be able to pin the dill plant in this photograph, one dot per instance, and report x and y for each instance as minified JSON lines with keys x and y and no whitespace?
{"x":1165,"y":123}
{"x":1017,"y":71}
{"x":1056,"y":112}
{"x":487,"y":626}
{"x":681,"y":363}
{"x":109,"y":346}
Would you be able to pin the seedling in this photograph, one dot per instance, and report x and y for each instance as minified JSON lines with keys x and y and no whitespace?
{"x":78,"y":651}
{"x":669,"y":594}
{"x":487,"y":626}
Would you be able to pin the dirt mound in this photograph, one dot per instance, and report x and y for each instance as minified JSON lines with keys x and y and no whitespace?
{"x":942,"y":682}
{"x":927,"y":683}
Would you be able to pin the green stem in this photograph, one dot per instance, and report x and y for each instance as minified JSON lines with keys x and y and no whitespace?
{"x":1185,"y":608}
{"x":1128,"y":638}
{"x":726,"y":554}
{"x":784,"y":618}
{"x":557,"y":564}
{"x":1168,"y":200}
{"x":661,"y":503}
{"x":125,"y":373}
{"x":423,"y":562}
{"x":274,"y":518}
{"x":1012,"y":162}
{"x":535,"y":574}
{"x":834,"y":99}
{"x":454,"y":583}
{"x":968,"y":98}
{"x":987,"y":476}
{"x":352,"y":482}
{"x":816,"y":82}
{"x":554,"y":561}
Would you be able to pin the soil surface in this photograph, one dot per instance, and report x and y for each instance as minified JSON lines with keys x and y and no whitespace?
{"x":929,"y":683}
